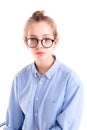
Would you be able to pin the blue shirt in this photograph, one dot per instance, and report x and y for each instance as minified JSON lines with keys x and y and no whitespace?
{"x":52,"y":101}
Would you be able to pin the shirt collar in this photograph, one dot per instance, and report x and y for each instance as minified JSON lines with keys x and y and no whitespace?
{"x":53,"y":69}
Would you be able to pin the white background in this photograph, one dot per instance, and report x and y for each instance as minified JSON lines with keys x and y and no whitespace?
{"x":71,"y":18}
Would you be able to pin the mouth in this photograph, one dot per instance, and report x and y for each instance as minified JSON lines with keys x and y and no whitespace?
{"x":40,"y":53}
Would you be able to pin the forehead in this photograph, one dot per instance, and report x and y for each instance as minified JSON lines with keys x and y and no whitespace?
{"x":40,"y":29}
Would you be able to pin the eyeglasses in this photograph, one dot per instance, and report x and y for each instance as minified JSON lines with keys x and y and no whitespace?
{"x":33,"y":42}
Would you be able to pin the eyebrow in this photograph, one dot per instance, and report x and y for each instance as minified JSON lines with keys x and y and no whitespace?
{"x":45,"y":35}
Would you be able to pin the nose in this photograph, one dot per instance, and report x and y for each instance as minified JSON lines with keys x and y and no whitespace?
{"x":39,"y":45}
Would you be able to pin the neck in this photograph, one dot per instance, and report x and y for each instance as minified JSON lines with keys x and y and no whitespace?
{"x":44,"y":66}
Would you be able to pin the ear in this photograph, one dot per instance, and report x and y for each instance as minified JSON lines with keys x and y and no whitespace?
{"x":25,"y":42}
{"x":55,"y":42}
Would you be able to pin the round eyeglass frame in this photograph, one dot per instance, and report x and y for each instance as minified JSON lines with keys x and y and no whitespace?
{"x":51,"y":40}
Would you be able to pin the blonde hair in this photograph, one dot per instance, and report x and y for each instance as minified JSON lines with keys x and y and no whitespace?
{"x":38,"y":16}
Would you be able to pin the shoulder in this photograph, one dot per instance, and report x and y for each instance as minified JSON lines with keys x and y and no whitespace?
{"x":23,"y":74}
{"x":73,"y":83}
{"x":69,"y":73}
{"x":25,"y":70}
{"x":21,"y":77}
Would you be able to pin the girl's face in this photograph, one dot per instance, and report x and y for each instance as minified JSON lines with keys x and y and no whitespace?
{"x":41,"y":30}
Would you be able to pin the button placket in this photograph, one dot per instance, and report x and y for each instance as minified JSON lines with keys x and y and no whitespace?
{"x":38,"y":97}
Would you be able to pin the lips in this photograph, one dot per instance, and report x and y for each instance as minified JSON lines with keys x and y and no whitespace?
{"x":40,"y":53}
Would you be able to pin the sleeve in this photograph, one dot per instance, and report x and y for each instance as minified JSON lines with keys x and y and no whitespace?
{"x":70,"y":116}
{"x":14,"y":116}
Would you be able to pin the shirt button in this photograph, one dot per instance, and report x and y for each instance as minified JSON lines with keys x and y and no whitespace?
{"x":36,"y":129}
{"x":36,"y":98}
{"x":40,"y":82}
{"x":35,"y":114}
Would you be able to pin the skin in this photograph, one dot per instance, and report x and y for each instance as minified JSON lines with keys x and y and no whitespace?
{"x":43,"y":57}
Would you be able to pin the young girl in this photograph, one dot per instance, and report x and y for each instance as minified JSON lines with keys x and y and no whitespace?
{"x":45,"y":95}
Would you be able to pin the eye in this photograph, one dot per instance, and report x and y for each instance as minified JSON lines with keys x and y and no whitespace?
{"x":32,"y":40}
{"x":47,"y":40}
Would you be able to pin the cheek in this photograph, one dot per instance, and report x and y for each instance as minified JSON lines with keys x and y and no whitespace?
{"x":50,"y":51}
{"x":31,"y":50}
{"x":52,"y":48}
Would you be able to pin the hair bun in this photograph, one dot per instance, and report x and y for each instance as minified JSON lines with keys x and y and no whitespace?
{"x":38,"y":13}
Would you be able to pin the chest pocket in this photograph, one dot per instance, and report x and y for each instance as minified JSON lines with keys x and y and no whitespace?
{"x":50,"y":109}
